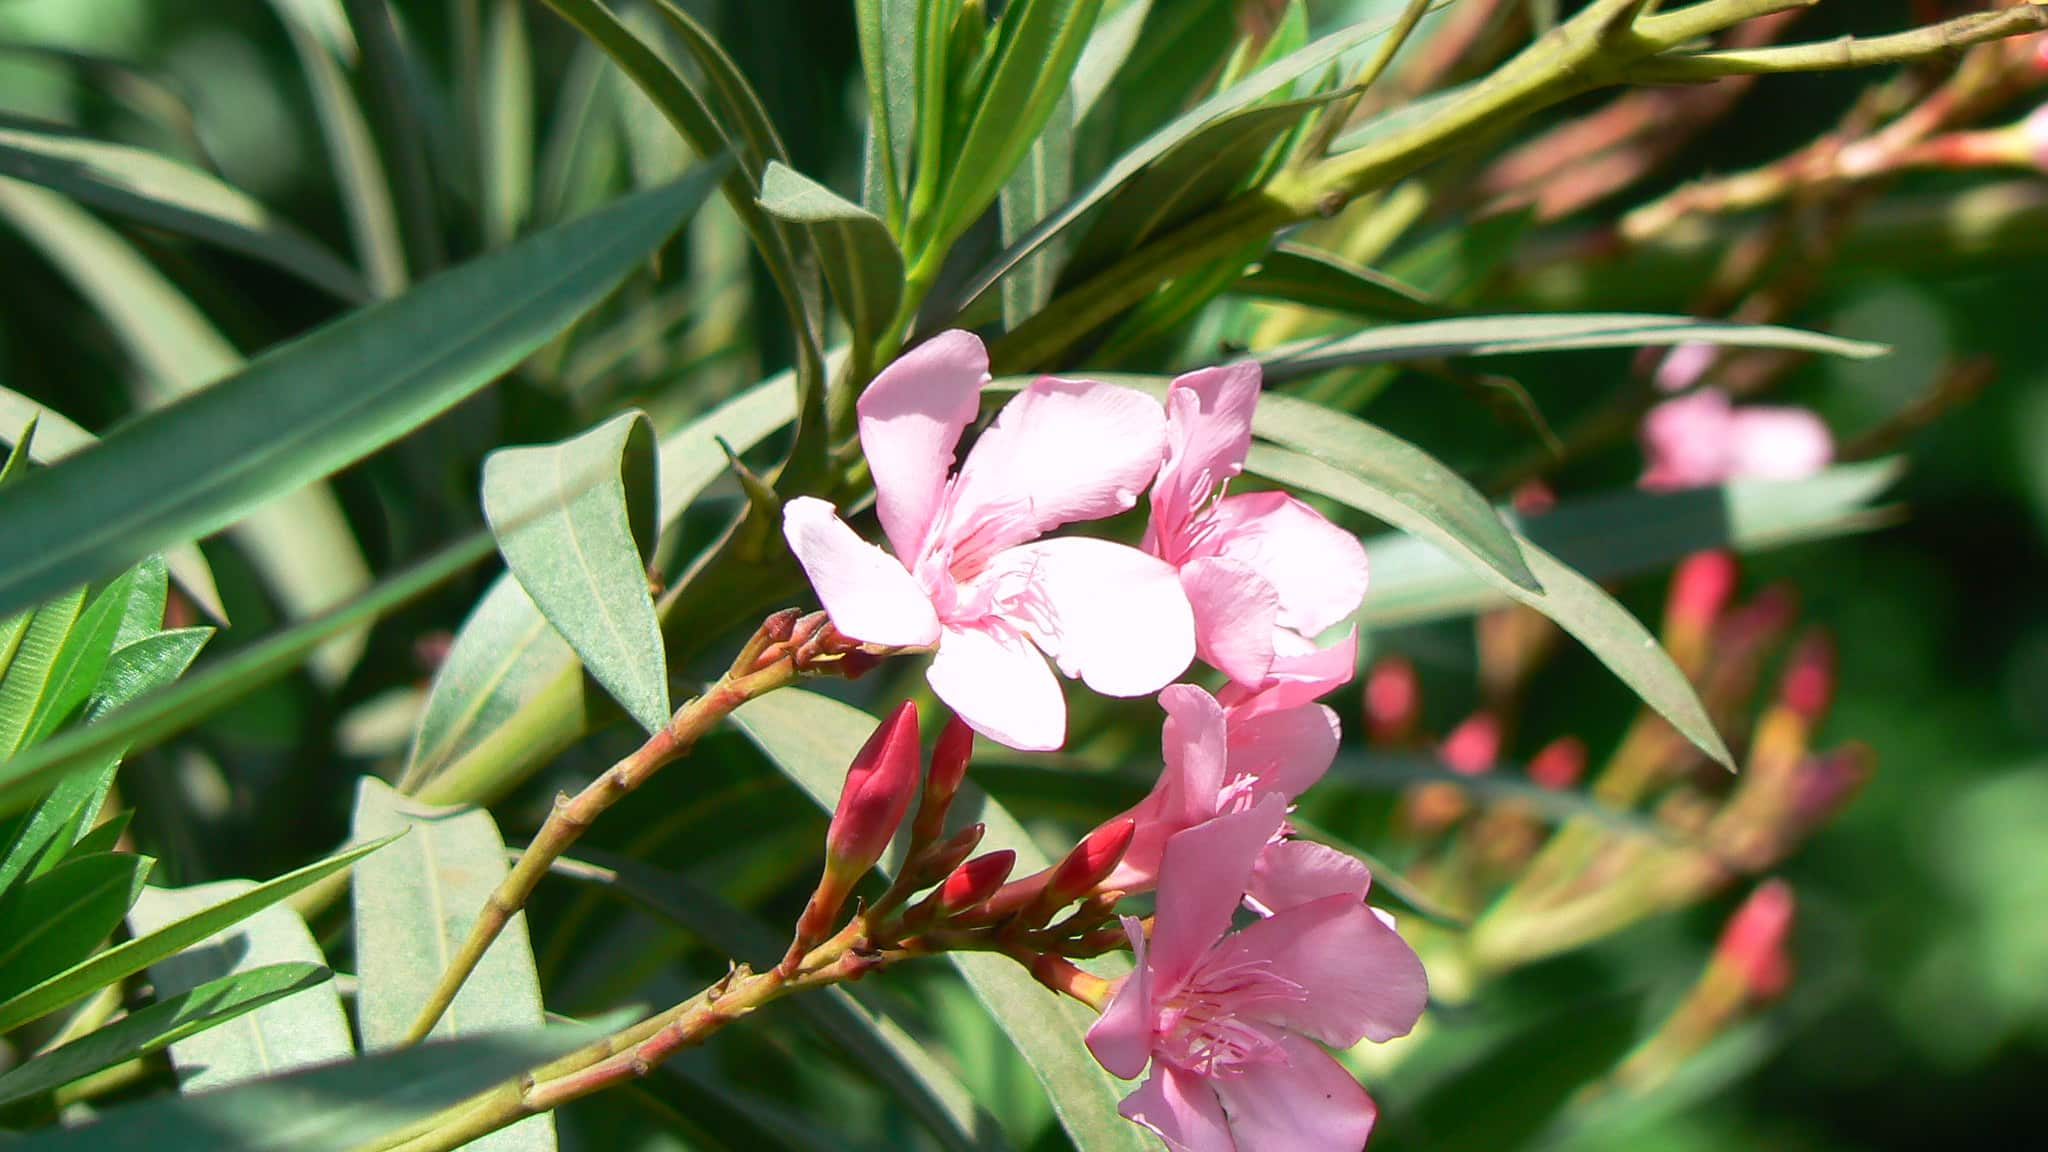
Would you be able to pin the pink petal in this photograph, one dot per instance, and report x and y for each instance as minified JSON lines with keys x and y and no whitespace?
{"x":991,"y":677}
{"x":1308,"y":1104}
{"x":1297,"y":677}
{"x":1122,"y":1038}
{"x":1295,"y":872}
{"x":1235,"y":610}
{"x":1362,"y":979}
{"x":869,"y":595}
{"x":1287,"y":750}
{"x":1779,"y":443}
{"x":1058,"y":452}
{"x":1188,"y":790}
{"x":1317,"y":569}
{"x":1108,"y":614}
{"x":1201,"y":880}
{"x":911,"y":416}
{"x":1687,"y":441}
{"x":1208,"y":433}
{"x":1181,"y":1109}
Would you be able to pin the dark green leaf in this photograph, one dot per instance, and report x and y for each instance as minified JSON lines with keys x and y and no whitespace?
{"x":351,"y":149}
{"x":414,"y":907}
{"x":1317,"y":279}
{"x":1110,"y":46}
{"x":1040,"y":184}
{"x":332,"y":1109}
{"x":1508,"y":335}
{"x":158,"y":1026}
{"x":859,"y":256}
{"x":28,"y":674}
{"x":132,"y":956}
{"x":576,"y":523}
{"x":305,"y":1029}
{"x":320,"y":402}
{"x":164,"y":193}
{"x":58,"y":918}
{"x":76,"y":670}
{"x":812,"y":739}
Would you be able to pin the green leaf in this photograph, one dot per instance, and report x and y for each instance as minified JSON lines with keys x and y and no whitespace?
{"x":171,"y":710}
{"x":57,"y":919}
{"x":506,"y":146}
{"x":158,"y":1026}
{"x":1625,"y":533}
{"x":812,"y":739}
{"x":29,"y":673}
{"x":887,"y":32}
{"x":1035,"y":189}
{"x":414,"y":906}
{"x":576,"y":523}
{"x":1577,"y":604}
{"x":1110,"y":46}
{"x":76,"y":670}
{"x":1384,"y":476}
{"x":57,"y":437}
{"x":144,"y":666}
{"x":330,"y":1109}
{"x":1038,"y":43}
{"x":859,"y":256}
{"x":304,"y":1029}
{"x":1243,"y":94}
{"x":132,"y":956}
{"x":1509,"y":335}
{"x":156,"y":190}
{"x":320,"y":402}
{"x":1317,"y":279}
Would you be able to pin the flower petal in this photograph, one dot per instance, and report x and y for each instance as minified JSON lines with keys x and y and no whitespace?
{"x":1317,"y":569}
{"x":1188,"y":789}
{"x":1181,"y":1109}
{"x":1111,"y":615}
{"x":1058,"y":452}
{"x":1308,"y":1104}
{"x":868,"y":594}
{"x":911,"y":416}
{"x":1122,"y":1039}
{"x":991,"y":677}
{"x":1287,"y":750}
{"x":1779,"y":443}
{"x":1295,"y":872}
{"x":1235,"y":610}
{"x":1299,"y":675}
{"x":1363,"y":981}
{"x":1687,"y":441}
{"x":1208,"y":433}
{"x":1202,"y":877}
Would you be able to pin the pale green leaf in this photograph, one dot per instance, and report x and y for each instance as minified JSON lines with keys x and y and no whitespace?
{"x":859,"y":256}
{"x":1038,"y":186}
{"x":1317,"y":279}
{"x":507,"y":107}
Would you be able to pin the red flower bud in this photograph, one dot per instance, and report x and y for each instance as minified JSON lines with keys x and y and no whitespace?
{"x":1825,"y":783}
{"x":879,"y":784}
{"x":1809,"y":684}
{"x":1559,"y":764}
{"x":940,"y":859}
{"x":1753,"y":943}
{"x":948,"y":769}
{"x":1473,"y":746}
{"x":1088,"y":865}
{"x":975,"y":881}
{"x":1393,"y":699}
{"x":1700,"y":589}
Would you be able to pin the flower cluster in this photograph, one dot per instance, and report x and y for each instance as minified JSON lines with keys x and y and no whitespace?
{"x":1230,"y":1023}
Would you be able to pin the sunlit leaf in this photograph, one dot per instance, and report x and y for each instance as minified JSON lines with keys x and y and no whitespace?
{"x":58,"y":918}
{"x":859,"y":256}
{"x":1038,"y":186}
{"x":1318,"y":279}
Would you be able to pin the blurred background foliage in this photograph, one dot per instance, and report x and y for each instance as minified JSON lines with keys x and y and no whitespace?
{"x":1919,"y":1016}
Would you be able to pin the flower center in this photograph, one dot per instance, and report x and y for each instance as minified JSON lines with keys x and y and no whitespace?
{"x":1203,"y":1029}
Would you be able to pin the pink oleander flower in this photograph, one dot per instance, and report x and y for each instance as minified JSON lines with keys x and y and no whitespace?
{"x":970,"y":573}
{"x":1263,"y":571}
{"x":1232,"y":1023}
{"x":1701,"y":439}
{"x":2035,"y":127}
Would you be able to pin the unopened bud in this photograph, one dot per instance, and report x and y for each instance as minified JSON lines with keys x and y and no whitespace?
{"x":773,"y":632}
{"x":1533,"y":498}
{"x":1473,"y":746}
{"x":1393,"y":699}
{"x":968,"y":885}
{"x":1753,"y":943}
{"x":942,"y":782}
{"x":1087,"y":866}
{"x":879,"y":784}
{"x":1559,"y":764}
{"x":1700,"y":591}
{"x":939,"y":860}
{"x":1809,"y":684}
{"x":1825,"y":783}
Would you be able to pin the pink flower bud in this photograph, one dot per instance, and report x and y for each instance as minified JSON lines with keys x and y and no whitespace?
{"x":1473,"y":747}
{"x":1091,"y":862}
{"x":1559,"y":764}
{"x":1393,"y":698}
{"x":879,"y":785}
{"x":1809,"y":683}
{"x":974,"y":882}
{"x":1826,"y":782}
{"x":1700,"y":589}
{"x":1753,"y":943}
{"x":942,"y":782}
{"x":942,"y":858}
{"x":1533,"y":498}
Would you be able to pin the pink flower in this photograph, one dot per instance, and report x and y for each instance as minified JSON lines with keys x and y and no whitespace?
{"x":1701,"y":439}
{"x":1231,"y":1023}
{"x":1263,"y":570}
{"x":969,"y":573}
{"x":1218,"y":762}
{"x":2035,"y":127}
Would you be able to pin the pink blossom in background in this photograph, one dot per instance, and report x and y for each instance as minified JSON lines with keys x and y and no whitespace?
{"x":1703,"y":439}
{"x":1263,"y":571}
{"x":1231,"y":1023}
{"x":970,"y":574}
{"x":1218,"y":763}
{"x":2035,"y":127}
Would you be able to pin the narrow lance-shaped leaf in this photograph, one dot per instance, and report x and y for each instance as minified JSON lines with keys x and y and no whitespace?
{"x":812,"y":739}
{"x":320,"y":402}
{"x":576,"y":523}
{"x":161,"y":1025}
{"x":1035,"y":189}
{"x":506,"y":147}
{"x":859,"y":256}
{"x":58,"y":918}
{"x":414,"y":907}
{"x":1318,"y":279}
{"x":304,"y":1029}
